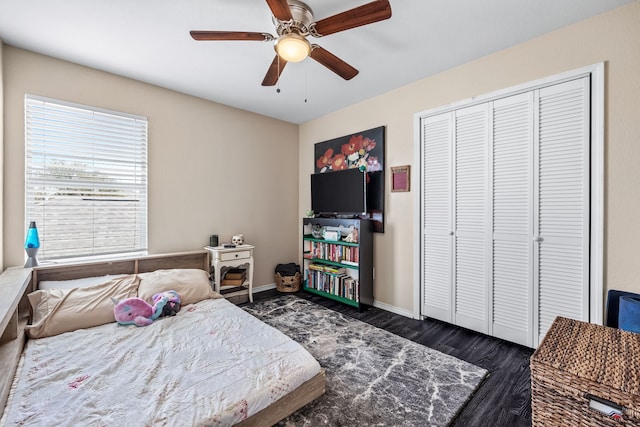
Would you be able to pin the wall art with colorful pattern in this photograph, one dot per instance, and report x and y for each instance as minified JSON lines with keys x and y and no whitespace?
{"x":364,"y":150}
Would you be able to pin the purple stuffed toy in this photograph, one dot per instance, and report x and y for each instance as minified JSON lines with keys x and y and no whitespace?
{"x":136,"y":311}
{"x":172,"y":306}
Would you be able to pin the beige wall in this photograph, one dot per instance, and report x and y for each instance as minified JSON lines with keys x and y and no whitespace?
{"x":212,"y":168}
{"x":195,"y":190}
{"x":613,"y":37}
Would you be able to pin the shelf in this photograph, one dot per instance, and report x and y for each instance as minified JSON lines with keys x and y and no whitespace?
{"x":331,"y":242}
{"x":333,"y":297}
{"x":335,"y":264}
{"x":233,"y":291}
{"x":355,"y":258}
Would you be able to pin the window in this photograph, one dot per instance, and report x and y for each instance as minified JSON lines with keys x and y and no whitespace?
{"x":86,"y":179}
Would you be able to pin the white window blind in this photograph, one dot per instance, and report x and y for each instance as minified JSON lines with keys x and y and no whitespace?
{"x":86,"y":179}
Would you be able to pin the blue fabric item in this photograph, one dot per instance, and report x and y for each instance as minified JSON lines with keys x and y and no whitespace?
{"x":613,"y":305}
{"x":629,"y":314}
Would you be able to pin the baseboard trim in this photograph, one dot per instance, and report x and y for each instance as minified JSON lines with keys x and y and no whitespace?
{"x":263,"y":288}
{"x":393,"y":309}
{"x":377,"y":304}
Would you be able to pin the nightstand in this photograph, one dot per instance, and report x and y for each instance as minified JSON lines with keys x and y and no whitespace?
{"x":224,"y":258}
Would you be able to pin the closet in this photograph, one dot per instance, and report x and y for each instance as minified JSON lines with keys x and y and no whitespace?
{"x":505,"y":212}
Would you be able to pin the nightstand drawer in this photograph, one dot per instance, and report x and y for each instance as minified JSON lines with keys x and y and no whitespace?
{"x":234,"y":255}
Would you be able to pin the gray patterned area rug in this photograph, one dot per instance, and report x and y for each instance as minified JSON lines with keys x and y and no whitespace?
{"x":374,"y":378}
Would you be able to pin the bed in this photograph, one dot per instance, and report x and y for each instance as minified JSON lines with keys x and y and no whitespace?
{"x":211,"y":364}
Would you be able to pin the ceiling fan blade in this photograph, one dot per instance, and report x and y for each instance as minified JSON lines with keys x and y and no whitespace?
{"x":280,"y":9}
{"x":274,"y":71}
{"x":230,"y":35}
{"x":369,"y":13}
{"x":333,"y":63}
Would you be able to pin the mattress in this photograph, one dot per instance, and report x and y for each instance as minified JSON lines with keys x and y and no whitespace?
{"x":212,"y":364}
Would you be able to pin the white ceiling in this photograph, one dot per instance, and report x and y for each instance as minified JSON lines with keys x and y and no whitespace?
{"x":149,"y":40}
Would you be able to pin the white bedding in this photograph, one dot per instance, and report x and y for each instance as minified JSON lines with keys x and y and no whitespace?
{"x":212,"y":364}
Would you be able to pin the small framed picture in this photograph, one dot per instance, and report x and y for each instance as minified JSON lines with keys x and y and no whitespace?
{"x":400,"y":178}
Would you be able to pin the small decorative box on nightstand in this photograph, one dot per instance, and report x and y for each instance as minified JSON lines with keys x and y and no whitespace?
{"x":225,"y":258}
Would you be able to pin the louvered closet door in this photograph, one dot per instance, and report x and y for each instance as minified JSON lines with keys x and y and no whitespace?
{"x":436,"y":217}
{"x":512,"y":296}
{"x":505,"y":213}
{"x":471,"y":251}
{"x":562,"y":193}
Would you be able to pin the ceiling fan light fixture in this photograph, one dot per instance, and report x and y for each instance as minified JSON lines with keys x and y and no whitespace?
{"x":292,"y":47}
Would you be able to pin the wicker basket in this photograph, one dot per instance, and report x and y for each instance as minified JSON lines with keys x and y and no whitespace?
{"x":288,"y":283}
{"x":579,"y":365}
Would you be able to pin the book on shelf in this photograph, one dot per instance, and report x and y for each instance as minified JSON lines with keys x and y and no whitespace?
{"x":334,"y":270}
{"x":236,"y":273}
{"x":316,"y":267}
{"x":341,"y":285}
{"x":334,"y":252}
{"x":232,"y":282}
{"x":327,"y":268}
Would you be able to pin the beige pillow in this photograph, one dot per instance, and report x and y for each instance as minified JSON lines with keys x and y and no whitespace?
{"x":77,"y":283}
{"x":191,"y":284}
{"x":56,"y":311}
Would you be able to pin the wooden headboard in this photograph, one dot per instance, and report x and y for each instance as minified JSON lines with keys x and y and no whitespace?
{"x":16,"y":283}
{"x":196,"y":259}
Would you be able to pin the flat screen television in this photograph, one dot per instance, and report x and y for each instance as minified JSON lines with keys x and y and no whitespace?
{"x":341,"y":192}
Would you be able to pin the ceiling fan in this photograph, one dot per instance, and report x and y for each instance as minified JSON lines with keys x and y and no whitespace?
{"x":294,"y":21}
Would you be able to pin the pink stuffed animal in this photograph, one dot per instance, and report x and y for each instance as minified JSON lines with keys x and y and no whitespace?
{"x":173,"y":304}
{"x":136,"y":311}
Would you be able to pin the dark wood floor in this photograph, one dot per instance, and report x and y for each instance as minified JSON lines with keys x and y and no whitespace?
{"x":503,"y":399}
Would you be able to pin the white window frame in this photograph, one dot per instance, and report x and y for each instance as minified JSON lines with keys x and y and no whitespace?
{"x":86,"y":180}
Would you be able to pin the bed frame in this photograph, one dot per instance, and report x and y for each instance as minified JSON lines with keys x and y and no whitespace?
{"x":15,"y":311}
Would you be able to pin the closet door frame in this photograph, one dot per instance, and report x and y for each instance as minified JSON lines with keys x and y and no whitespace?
{"x":596,"y":272}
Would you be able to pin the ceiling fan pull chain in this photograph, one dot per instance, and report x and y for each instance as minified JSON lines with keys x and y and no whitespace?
{"x":278,"y":82}
{"x":305,"y":87}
